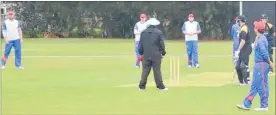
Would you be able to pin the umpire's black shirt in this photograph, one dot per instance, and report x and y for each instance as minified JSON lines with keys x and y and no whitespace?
{"x":151,"y":45}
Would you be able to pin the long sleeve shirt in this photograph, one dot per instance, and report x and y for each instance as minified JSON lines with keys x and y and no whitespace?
{"x":138,"y":29}
{"x":191,"y":27}
{"x":234,"y":34}
{"x":10,"y":29}
{"x":261,"y":49}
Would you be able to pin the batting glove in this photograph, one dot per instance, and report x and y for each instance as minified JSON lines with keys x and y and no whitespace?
{"x":253,"y":45}
{"x":235,"y":59}
{"x":236,"y":54}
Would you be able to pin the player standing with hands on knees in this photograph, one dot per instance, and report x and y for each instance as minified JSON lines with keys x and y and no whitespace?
{"x":138,"y":28}
{"x":260,"y":73}
{"x":243,"y":52}
{"x":12,"y":32}
{"x":191,"y":29}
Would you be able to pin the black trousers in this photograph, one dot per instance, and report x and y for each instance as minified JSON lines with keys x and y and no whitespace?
{"x":270,"y":50}
{"x":155,"y":64}
{"x":242,"y":65}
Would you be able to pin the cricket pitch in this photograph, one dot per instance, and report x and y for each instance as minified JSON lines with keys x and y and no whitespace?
{"x":206,"y":79}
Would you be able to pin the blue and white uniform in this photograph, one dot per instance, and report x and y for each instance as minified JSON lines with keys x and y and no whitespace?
{"x":191,"y":41}
{"x":234,"y":34}
{"x":260,"y":74}
{"x":138,"y":29}
{"x":11,"y":32}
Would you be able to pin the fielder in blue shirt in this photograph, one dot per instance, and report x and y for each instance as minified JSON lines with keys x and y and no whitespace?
{"x":12,"y":32}
{"x":234,"y":34}
{"x":191,"y":29}
{"x":260,"y":72}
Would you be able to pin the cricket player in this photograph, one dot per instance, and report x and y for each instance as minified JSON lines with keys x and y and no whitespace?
{"x":234,"y":34}
{"x":243,"y":52}
{"x":138,"y":29}
{"x":260,"y":73}
{"x":152,"y":49}
{"x":269,"y":30}
{"x":12,"y":32}
{"x":191,"y":29}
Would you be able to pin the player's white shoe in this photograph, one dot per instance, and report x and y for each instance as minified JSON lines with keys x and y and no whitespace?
{"x":197,"y":66}
{"x":241,"y":106}
{"x":261,"y":109}
{"x":242,"y":84}
{"x":3,"y":67}
{"x":189,"y":66}
{"x":165,"y":89}
{"x":20,"y":67}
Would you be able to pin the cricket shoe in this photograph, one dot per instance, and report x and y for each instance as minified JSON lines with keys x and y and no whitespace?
{"x":249,"y":83}
{"x":261,"y":109}
{"x":241,"y":106}
{"x":165,"y":89}
{"x":197,"y":66}
{"x":242,"y":84}
{"x":141,"y":89}
{"x":3,"y":67}
{"x":20,"y":67}
{"x":189,"y":66}
{"x":137,"y":65}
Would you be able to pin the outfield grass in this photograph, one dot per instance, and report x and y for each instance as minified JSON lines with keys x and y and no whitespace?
{"x":78,"y":76}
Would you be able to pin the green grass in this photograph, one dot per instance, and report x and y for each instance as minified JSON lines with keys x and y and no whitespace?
{"x":89,"y":85}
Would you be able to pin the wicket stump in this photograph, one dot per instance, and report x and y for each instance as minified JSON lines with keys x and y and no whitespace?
{"x":174,"y":70}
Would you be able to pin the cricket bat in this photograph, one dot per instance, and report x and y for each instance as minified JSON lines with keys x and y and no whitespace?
{"x":234,"y":75}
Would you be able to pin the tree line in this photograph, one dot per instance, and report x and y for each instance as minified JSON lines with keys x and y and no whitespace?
{"x":117,"y":19}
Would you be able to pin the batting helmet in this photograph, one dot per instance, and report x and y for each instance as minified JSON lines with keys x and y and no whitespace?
{"x":264,"y":16}
{"x":241,"y":18}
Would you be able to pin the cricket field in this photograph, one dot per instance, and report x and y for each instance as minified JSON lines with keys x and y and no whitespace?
{"x":98,"y":76}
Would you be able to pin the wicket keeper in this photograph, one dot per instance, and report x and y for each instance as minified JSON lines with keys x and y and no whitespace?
{"x":138,"y":28}
{"x":260,"y":73}
{"x":152,"y":49}
{"x":243,"y":52}
{"x":269,"y":30}
{"x":12,"y":32}
{"x":191,"y":29}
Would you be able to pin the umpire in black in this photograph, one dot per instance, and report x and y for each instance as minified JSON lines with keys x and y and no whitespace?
{"x":152,"y":49}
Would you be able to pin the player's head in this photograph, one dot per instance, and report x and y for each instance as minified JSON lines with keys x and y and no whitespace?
{"x":191,"y":17}
{"x":143,"y":17}
{"x":241,"y":20}
{"x":264,"y":18}
{"x":11,"y":15}
{"x":259,"y":27}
